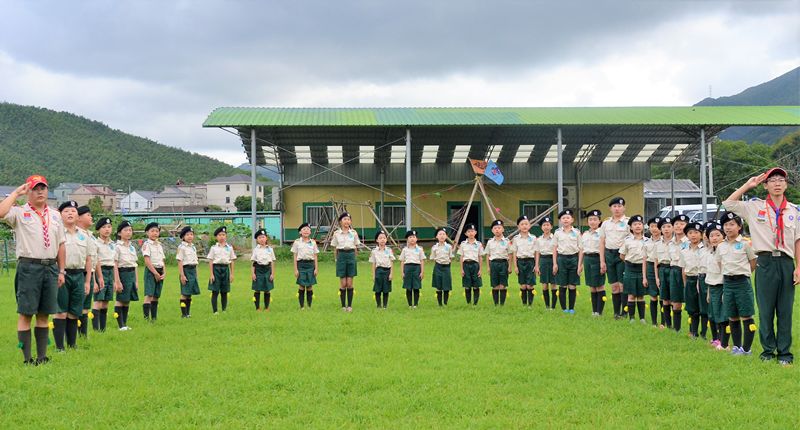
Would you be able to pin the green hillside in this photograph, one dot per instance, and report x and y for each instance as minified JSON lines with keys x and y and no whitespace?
{"x":68,"y":148}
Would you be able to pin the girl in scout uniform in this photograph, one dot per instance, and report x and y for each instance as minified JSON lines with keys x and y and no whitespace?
{"x":567,"y":259}
{"x":125,"y":274}
{"x":613,"y":232}
{"x":220,"y":261}
{"x":85,"y":223}
{"x":345,"y":247}
{"x":591,"y":262}
{"x":79,"y":269}
{"x":442,"y":255}
{"x":651,"y":267}
{"x":412,"y":267}
{"x":263,"y":271}
{"x":738,"y":262}
{"x":719,"y":322}
{"x":470,"y":252}
{"x":104,"y":289}
{"x":497,"y":252}
{"x":664,"y":270}
{"x":632,"y":252}
{"x":154,"y":274}
{"x":693,"y":258}
{"x":187,"y":269}
{"x":305,"y":252}
{"x":523,"y":249}
{"x":381,"y":258}
{"x":544,"y":263}
{"x":676,"y":288}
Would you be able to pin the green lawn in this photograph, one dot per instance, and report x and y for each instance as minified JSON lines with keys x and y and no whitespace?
{"x":460,"y":367}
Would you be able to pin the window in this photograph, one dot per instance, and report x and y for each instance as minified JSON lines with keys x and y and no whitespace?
{"x":248,"y":187}
{"x":227,"y":187}
{"x":227,"y":199}
{"x":393,"y":215}
{"x":319,"y":215}
{"x":533,"y":210}
{"x":136,"y":205}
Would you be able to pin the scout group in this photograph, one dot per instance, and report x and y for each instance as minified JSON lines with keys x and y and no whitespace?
{"x":703,"y":270}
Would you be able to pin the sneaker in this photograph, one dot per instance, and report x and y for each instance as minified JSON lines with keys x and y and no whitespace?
{"x":747,"y":352}
{"x":715,"y":344}
{"x":720,"y":347}
{"x":415,"y":307}
{"x":785,"y":363}
{"x":42,"y":360}
{"x":123,"y":328}
{"x":566,"y":311}
{"x":631,"y":321}
{"x":662,"y":326}
{"x":643,"y":321}
{"x":572,"y":311}
{"x":349,"y":309}
{"x":30,"y":362}
{"x":736,"y":350}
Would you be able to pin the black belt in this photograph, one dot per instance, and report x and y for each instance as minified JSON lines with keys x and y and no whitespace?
{"x":346,"y":250}
{"x":526,"y":259}
{"x":75,"y":271}
{"x":443,"y":265}
{"x":412,"y":264}
{"x":633,"y":265}
{"x":593,"y":254}
{"x":260,"y":265}
{"x":769,"y":254}
{"x":613,"y":251}
{"x":222,"y":265}
{"x":567,"y":255}
{"x":299,"y":260}
{"x":189,"y":266}
{"x":39,"y":261}
{"x":666,"y":266}
{"x":692,"y":276}
{"x":470,"y":261}
{"x":126,"y":269}
{"x":500,"y":259}
{"x":734,"y":277}
{"x":107,"y":267}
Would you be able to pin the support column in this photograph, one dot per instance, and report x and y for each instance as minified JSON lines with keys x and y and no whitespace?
{"x":408,"y":179}
{"x":710,"y":158}
{"x":253,"y":187}
{"x":703,"y":174}
{"x":560,"y":192}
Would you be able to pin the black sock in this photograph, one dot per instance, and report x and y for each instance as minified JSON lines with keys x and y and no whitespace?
{"x":103,"y":319}
{"x":524,"y":295}
{"x":703,"y":325}
{"x":546,"y":294}
{"x":350,"y":297}
{"x":125,"y":311}
{"x":83,"y":330}
{"x":714,"y":331}
{"x":146,"y":310}
{"x":224,"y":301}
{"x":594,"y":302}
{"x":446,"y":297}
{"x":24,"y":337}
{"x":623,"y":300}
{"x":183,"y":308}
{"x":189,"y":306}
{"x":309,"y":297}
{"x":378,"y":299}
{"x":573,"y":295}
{"x":668,"y":315}
{"x":654,"y":312}
{"x":120,"y":320}
{"x":301,"y":298}
{"x":96,"y":319}
{"x":747,"y":343}
{"x":385,"y":299}
{"x":59,"y":329}
{"x":631,"y":310}
{"x":214,"y":298}
{"x":554,"y":297}
{"x":695,"y":324}
{"x":268,"y":298}
{"x":676,"y":319}
{"x":439,"y":297}
{"x":640,"y":309}
{"x":416,"y":297}
{"x":476,"y":294}
{"x":42,"y":339}
{"x":409,"y":297}
{"x":496,"y":297}
{"x":601,"y":304}
{"x":72,"y":332}
{"x":736,"y":333}
{"x":257,"y":300}
{"x":723,"y":334}
{"x":615,"y":297}
{"x":562,"y":297}
{"x":343,"y":297}
{"x":503,"y":295}
{"x":468,"y":295}
{"x":154,"y":310}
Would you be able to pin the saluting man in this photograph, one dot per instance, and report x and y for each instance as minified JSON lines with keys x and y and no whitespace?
{"x":41,"y":258}
{"x":775,"y":232}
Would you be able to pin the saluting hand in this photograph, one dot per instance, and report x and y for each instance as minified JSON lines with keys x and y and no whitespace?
{"x":22,"y":189}
{"x":755,"y":180}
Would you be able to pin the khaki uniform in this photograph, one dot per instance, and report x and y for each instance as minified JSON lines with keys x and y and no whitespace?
{"x":675,"y":249}
{"x":442,"y":254}
{"x":187,"y":254}
{"x":735,"y":257}
{"x":77,"y":249}
{"x":545,"y":245}
{"x":382,"y":257}
{"x":497,"y":249}
{"x":262,"y":255}
{"x":125,"y":254}
{"x":524,"y":246}
{"x":221,"y":254}
{"x":345,"y":240}
{"x":713,"y":267}
{"x":567,"y":242}
{"x":662,"y":251}
{"x":650,"y":252}
{"x":634,"y":250}
{"x":614,"y":232}
{"x":303,"y":250}
{"x":761,"y":222}
{"x":693,"y":259}
{"x":154,"y":250}
{"x":590,"y":240}
{"x":470,"y":251}
{"x":28,"y":232}
{"x":413,"y":255}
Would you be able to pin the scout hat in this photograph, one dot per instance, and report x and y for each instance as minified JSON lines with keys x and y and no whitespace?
{"x":151,"y":226}
{"x":665,"y":220}
{"x":728,"y":216}
{"x":469,"y":227}
{"x":616,"y":201}
{"x":544,"y":220}
{"x":635,"y":218}
{"x":303,"y":225}
{"x":219,"y":230}
{"x":411,"y":233}
{"x":102,"y":222}
{"x":523,"y":217}
{"x":565,"y":212}
{"x":681,"y":217}
{"x":594,"y":212}
{"x":711,"y":226}
{"x":654,"y":220}
{"x":776,"y":171}
{"x":380,"y":232}
{"x":497,"y":222}
{"x":260,"y":232}
{"x":187,"y":229}
{"x":35,"y":180}
{"x":344,"y":214}
{"x":444,"y":229}
{"x":694,"y":226}
{"x":123,"y":225}
{"x":84,"y":210}
{"x":68,"y":204}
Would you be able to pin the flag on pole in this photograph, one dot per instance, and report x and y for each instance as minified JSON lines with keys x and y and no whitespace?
{"x":493,"y":172}
{"x":478,"y":166}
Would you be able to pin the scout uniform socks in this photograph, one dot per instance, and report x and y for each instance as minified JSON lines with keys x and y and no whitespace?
{"x":24,"y":337}
{"x":59,"y":329}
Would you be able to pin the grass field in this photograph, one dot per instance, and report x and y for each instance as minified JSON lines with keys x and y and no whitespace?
{"x":460,"y":367}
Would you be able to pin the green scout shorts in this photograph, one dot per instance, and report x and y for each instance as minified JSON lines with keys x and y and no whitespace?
{"x":703,"y":294}
{"x":442,"y":279}
{"x":737,"y":297}
{"x":498,"y":273}
{"x":675,"y":284}
{"x":546,"y":270}
{"x":222,"y":279}
{"x":471,"y":278}
{"x":652,"y":288}
{"x":36,"y":288}
{"x":346,"y":264}
{"x":568,"y":270}
{"x":591,"y":271}
{"x":715,"y":308}
{"x":191,"y":287}
{"x":526,"y":274}
{"x":615,"y":267}
{"x":151,"y":286}
{"x":87,"y":299}
{"x":664,"y":275}
{"x":106,"y":293}
{"x":632,"y":280}
{"x":71,"y":294}
{"x":262,"y":282}
{"x":305,"y":270}
{"x":411,"y":279}
{"x":381,"y":283}
{"x":130,"y":291}
{"x":691,"y":295}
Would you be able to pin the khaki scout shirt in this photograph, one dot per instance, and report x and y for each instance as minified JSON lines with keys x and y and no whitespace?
{"x":125,"y":254}
{"x":29,"y":235}
{"x":345,"y":240}
{"x":470,"y":251}
{"x":524,"y":246}
{"x":614,"y":232}
{"x":106,"y":252}
{"x":735,"y":256}
{"x":413,"y":255}
{"x":154,"y":250}
{"x":382,"y":257}
{"x":567,"y":242}
{"x":692,"y":259}
{"x":713,"y":267}
{"x":262,"y":255}
{"x":675,"y":249}
{"x":442,"y":253}
{"x":187,"y":254}
{"x":633,"y":250}
{"x":93,"y":249}
{"x":221,"y":254}
{"x":77,"y":247}
{"x":761,"y":221}
{"x":662,"y":250}
{"x":544,"y":244}
{"x":497,"y":249}
{"x":650,"y":250}
{"x":591,"y":241}
{"x":303,"y":250}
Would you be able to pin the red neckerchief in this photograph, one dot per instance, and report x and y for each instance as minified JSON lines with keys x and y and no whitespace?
{"x":778,"y":220}
{"x":43,"y":217}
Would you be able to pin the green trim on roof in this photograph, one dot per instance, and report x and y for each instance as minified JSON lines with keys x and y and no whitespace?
{"x":422,"y":117}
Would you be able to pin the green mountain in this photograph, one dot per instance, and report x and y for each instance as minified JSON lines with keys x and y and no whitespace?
{"x":781,"y":91}
{"x":68,"y":148}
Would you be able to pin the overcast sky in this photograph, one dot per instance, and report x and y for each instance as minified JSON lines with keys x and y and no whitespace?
{"x":158,"y":68}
